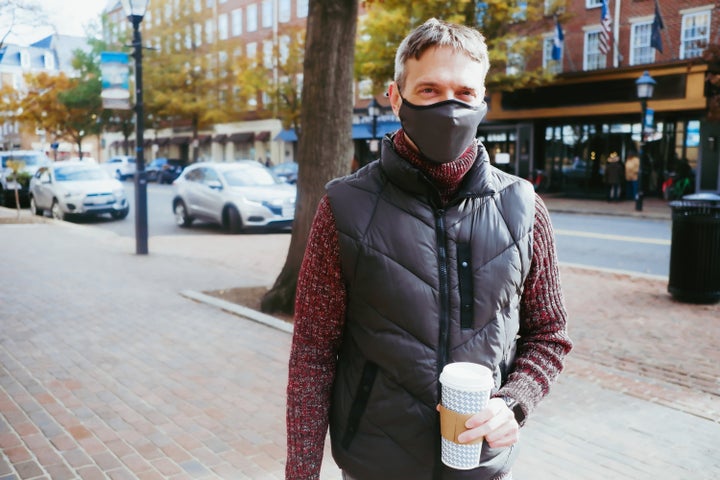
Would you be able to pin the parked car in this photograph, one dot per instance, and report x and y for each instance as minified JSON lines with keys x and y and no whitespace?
{"x":32,"y":160}
{"x":164,"y":170}
{"x":120,"y":167}
{"x":287,"y":171}
{"x":238,"y":196}
{"x":76,"y":188}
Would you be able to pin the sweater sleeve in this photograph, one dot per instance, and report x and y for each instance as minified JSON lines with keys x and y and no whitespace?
{"x":544,"y":342}
{"x":319,"y":319}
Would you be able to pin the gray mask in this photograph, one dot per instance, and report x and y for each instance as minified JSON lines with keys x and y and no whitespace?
{"x":444,"y":130}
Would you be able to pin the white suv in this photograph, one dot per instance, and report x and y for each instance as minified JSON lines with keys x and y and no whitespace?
{"x":120,"y":167}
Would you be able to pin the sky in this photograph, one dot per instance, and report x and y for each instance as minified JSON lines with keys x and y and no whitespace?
{"x":68,"y":16}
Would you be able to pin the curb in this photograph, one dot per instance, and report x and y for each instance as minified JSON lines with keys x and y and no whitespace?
{"x":234,"y":308}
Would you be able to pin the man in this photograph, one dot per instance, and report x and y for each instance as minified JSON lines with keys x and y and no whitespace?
{"x":425,"y":257}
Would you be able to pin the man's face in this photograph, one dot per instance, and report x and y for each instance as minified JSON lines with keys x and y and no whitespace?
{"x":440,"y":74}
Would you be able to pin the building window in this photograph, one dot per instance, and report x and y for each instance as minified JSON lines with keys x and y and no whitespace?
{"x":49,"y":61}
{"x":197,"y":5}
{"x":237,"y":22}
{"x":592,"y":58}
{"x":209,"y":31}
{"x":252,"y":20}
{"x":210,"y":3}
{"x":284,"y":48}
{"x":267,"y":53}
{"x":284,"y":11}
{"x":267,"y":13}
{"x":640,"y":50}
{"x":695,"y":34}
{"x":198,"y":34}
{"x":251,"y":49}
{"x":188,"y":38}
{"x":520,"y":15}
{"x":515,"y":60}
{"x":593,"y":3}
{"x":549,"y":64}
{"x":24,"y":59}
{"x":223,"y":26}
{"x":302,"y":8}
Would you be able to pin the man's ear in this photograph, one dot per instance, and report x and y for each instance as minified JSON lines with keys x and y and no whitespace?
{"x":395,"y":98}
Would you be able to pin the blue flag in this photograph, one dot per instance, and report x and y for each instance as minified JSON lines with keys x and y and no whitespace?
{"x":557,"y":47}
{"x":657,"y":25}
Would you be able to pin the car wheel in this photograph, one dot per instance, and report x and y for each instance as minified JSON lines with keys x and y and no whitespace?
{"x":182,"y":219}
{"x":233,"y":221}
{"x":56,"y":211}
{"x":34,"y":208}
{"x":120,"y":214}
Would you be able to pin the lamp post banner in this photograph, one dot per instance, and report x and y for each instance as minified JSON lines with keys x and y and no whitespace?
{"x":115,"y":73}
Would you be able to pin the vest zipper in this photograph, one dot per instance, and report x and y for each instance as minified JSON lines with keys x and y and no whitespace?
{"x":442,"y":353}
{"x":444,"y":288}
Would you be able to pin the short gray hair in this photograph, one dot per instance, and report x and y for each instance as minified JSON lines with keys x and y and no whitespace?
{"x":437,"y":33}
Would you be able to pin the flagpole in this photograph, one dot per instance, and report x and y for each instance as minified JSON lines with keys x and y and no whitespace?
{"x":616,"y":34}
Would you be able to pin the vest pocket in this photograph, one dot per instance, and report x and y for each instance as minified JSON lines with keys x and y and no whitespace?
{"x":465,"y":279}
{"x":359,"y":403}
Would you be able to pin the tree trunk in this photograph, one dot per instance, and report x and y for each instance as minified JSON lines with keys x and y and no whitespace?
{"x":325,"y":143}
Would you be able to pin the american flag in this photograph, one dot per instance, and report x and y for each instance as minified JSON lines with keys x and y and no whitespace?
{"x":605,"y":23}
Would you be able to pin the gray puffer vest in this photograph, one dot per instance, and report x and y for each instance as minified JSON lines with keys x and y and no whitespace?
{"x":427,"y":285}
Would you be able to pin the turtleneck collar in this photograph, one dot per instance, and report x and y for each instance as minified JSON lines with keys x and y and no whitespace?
{"x":445,"y":176}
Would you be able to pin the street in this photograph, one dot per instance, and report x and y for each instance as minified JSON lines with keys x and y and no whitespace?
{"x":612,"y":242}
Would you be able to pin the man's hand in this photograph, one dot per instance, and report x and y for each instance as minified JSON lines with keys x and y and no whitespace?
{"x":496,"y":423}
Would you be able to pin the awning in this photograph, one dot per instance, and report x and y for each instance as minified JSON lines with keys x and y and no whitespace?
{"x":221,"y":138}
{"x":162,"y":141}
{"x":180,"y":140}
{"x":287,"y":135}
{"x":363,"y":131}
{"x":262,"y":136}
{"x":203,"y":139}
{"x":241,"y":137}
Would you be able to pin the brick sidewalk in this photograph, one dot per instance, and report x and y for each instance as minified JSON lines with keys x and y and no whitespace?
{"x":106,"y":372}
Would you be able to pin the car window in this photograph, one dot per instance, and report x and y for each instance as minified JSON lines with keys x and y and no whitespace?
{"x":248,"y":177}
{"x":195,"y":175}
{"x":75,"y":173}
{"x":210,"y":176}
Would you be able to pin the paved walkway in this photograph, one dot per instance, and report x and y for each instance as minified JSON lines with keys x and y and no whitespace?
{"x":111,"y":367}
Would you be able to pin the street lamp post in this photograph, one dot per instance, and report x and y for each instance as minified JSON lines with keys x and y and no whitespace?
{"x":135,"y":11}
{"x":374,"y":112}
{"x":645,"y":86}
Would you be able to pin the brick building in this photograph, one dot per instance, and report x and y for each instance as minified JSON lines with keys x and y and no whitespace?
{"x":568,"y":128}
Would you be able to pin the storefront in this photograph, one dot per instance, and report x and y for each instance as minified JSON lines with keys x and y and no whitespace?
{"x":567,"y":130}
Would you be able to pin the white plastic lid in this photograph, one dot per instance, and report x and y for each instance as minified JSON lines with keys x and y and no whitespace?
{"x":466,"y":376}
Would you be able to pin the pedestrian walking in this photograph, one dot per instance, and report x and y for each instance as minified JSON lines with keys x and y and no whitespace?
{"x":632,"y":169}
{"x":614,"y":177}
{"x":425,"y":257}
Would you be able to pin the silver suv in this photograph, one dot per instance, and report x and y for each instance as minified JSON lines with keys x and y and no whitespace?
{"x":32,"y":160}
{"x":120,"y":167}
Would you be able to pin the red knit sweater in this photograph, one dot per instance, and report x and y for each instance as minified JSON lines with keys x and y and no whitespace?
{"x":320,"y":315}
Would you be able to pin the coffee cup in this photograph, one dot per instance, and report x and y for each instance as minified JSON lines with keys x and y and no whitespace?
{"x":465,"y":391}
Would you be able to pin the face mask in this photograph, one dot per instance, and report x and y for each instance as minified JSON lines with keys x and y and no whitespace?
{"x":441,"y":131}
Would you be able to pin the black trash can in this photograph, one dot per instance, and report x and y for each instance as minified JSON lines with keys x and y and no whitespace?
{"x":695,"y":249}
